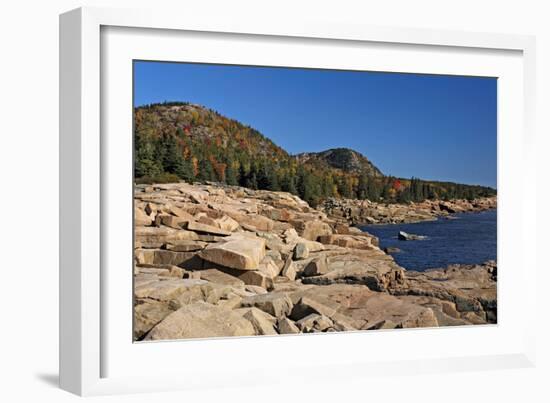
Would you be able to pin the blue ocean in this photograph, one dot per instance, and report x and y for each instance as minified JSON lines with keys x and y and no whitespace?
{"x":468,"y":238}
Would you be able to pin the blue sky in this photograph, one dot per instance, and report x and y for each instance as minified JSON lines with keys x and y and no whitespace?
{"x":427,"y":126}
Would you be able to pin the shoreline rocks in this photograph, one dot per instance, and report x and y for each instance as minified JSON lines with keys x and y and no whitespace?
{"x":405,"y":236}
{"x":464,"y":292}
{"x":365,"y":212}
{"x":216,"y":261}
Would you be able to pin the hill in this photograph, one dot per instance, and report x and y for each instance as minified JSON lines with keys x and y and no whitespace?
{"x":344,"y":159}
{"x":181,"y":141}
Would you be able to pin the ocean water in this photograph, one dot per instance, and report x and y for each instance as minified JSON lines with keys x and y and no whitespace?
{"x":468,"y":239}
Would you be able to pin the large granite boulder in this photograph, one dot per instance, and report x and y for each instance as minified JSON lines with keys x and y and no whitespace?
{"x":199,"y":320}
{"x":147,"y":314}
{"x":227,"y":223}
{"x":219,"y":277}
{"x":289,"y":270}
{"x":252,"y":222}
{"x":277,"y":304}
{"x":315,"y":323}
{"x":153,"y":237}
{"x":311,"y":229}
{"x":316,"y":267}
{"x":301,"y":251}
{"x":264,"y":323}
{"x":256,"y":278}
{"x":377,"y":272}
{"x":349,"y":241}
{"x":162,"y":256}
{"x":242,"y":253}
{"x":160,"y":289}
{"x":141,"y":218}
{"x":287,"y":326}
{"x":206,"y":228}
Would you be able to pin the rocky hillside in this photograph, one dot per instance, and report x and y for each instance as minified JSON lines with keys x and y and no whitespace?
{"x":217,"y":261}
{"x":182,"y":141}
{"x":203,"y":129}
{"x":341,"y":158}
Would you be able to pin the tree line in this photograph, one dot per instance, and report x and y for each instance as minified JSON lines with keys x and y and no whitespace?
{"x":162,"y":160}
{"x":199,"y":145}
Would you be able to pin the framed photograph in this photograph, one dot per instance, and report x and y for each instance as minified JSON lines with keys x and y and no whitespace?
{"x":242,"y":199}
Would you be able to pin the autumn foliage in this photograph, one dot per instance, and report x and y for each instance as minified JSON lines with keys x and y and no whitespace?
{"x":181,"y":141}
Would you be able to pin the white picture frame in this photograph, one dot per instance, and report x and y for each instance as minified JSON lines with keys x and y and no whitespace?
{"x":95,"y":46}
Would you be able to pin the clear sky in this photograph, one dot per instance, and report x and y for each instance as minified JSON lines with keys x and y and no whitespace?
{"x":427,"y":126}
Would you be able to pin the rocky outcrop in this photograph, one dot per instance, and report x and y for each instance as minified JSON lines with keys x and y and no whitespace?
{"x":344,"y":159}
{"x":218,"y":261}
{"x":405,"y":236}
{"x":362,"y":212}
{"x":464,"y":292}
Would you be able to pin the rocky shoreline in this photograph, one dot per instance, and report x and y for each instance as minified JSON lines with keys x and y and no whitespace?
{"x":218,"y":261}
{"x":363,"y":212}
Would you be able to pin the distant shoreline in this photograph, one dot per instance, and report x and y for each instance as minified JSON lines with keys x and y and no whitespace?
{"x":435,"y":218}
{"x":364,"y":212}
